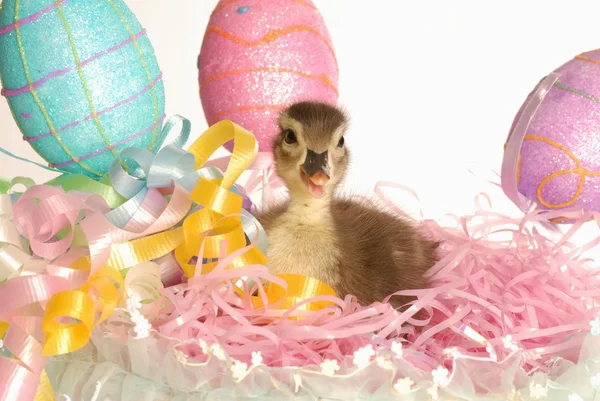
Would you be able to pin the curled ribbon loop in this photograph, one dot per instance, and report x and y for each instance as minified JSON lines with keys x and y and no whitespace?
{"x":7,"y":186}
{"x":12,"y":256}
{"x":219,"y":219}
{"x":144,"y":282}
{"x":62,"y":337}
{"x":299,"y":288}
{"x":154,"y":172}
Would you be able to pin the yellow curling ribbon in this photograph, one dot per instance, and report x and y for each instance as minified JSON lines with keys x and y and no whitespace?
{"x":219,"y":218}
{"x":128,"y":254}
{"x":106,"y":283}
{"x":299,"y":288}
{"x":3,"y":328}
{"x":64,"y":337}
{"x":44,"y":391}
{"x":80,"y":310}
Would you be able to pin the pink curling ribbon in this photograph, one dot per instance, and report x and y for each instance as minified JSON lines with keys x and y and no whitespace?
{"x":515,"y":141}
{"x":20,"y":375}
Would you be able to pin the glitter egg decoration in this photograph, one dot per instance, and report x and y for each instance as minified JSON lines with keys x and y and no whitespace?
{"x":259,"y":56}
{"x":81,"y":80}
{"x":552,"y":155}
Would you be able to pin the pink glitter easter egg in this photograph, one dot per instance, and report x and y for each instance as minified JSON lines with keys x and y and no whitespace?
{"x":552,"y":155}
{"x":260,"y":56}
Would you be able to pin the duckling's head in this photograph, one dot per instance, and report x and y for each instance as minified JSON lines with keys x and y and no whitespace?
{"x":310,"y":153}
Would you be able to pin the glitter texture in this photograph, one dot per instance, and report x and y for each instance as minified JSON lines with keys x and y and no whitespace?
{"x":560,"y":157}
{"x":255,"y":62}
{"x":81,"y":79}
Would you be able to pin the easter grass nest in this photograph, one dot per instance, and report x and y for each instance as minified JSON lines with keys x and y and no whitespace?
{"x":508,"y":316}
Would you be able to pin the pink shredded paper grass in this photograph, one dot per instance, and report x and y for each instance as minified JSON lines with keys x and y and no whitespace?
{"x":500,"y":286}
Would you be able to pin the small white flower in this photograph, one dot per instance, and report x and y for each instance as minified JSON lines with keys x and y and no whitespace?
{"x":134,"y":302}
{"x":538,"y":391}
{"x":595,"y":380}
{"x":433,"y":392}
{"x":492,"y":352}
{"x":452,"y":352}
{"x":329,"y":367}
{"x":1,"y":343}
{"x":509,"y":343}
{"x":440,"y":376}
{"x":238,"y":369}
{"x":403,"y":385}
{"x":257,"y":358}
{"x":203,"y":346}
{"x":363,"y":355}
{"x":142,"y":328}
{"x":135,"y":315}
{"x":595,"y":330}
{"x":575,"y":397}
{"x":217,"y":351}
{"x":397,"y":349}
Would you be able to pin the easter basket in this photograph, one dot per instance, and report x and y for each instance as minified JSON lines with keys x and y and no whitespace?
{"x":139,"y":273}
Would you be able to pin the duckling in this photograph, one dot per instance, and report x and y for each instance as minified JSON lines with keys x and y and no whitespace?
{"x":356,"y":248}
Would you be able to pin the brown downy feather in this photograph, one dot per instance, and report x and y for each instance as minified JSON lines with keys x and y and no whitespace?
{"x":383,"y":253}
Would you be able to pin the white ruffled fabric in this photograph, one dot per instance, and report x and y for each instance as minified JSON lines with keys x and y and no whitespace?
{"x":152,"y":369}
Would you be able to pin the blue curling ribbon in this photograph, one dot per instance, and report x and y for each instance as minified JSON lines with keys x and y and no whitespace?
{"x":171,"y":163}
{"x":9,"y":154}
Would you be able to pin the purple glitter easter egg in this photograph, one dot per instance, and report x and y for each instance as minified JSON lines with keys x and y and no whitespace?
{"x":552,"y":155}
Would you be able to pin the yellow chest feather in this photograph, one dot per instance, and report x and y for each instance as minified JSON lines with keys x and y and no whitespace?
{"x":303,"y":245}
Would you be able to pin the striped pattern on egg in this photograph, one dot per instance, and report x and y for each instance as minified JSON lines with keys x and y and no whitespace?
{"x":259,"y":56}
{"x":81,"y":79}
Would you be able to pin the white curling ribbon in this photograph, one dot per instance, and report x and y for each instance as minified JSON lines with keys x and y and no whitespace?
{"x":144,"y":282}
{"x":14,"y":260}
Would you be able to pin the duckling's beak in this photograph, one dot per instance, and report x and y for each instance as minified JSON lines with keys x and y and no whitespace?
{"x":317,"y":172}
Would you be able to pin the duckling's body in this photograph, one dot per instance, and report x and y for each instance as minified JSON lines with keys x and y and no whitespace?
{"x":356,"y":248}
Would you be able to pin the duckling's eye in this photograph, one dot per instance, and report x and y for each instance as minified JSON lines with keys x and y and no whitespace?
{"x":290,"y":137}
{"x":341,"y":142}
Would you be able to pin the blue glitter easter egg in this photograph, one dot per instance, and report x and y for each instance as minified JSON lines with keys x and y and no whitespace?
{"x":81,"y":80}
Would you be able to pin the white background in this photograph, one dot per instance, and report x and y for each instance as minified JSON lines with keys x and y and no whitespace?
{"x":432,"y":86}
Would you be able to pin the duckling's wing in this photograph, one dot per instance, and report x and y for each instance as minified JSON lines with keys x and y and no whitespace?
{"x":383,"y":252}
